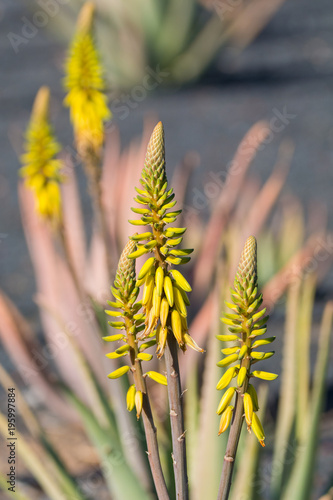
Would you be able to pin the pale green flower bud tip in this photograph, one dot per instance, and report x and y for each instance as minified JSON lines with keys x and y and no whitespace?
{"x":40,"y":110}
{"x":125,"y":276}
{"x":86,"y":18}
{"x":247,"y":267}
{"x":153,"y":173}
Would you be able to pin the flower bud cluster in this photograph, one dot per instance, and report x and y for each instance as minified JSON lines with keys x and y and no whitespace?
{"x":127,"y":318}
{"x":246,"y":324}
{"x":165,"y":297}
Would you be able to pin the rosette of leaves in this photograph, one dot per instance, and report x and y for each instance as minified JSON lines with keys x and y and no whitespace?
{"x":247,"y":325}
{"x":165,"y":297}
{"x":129,"y":321}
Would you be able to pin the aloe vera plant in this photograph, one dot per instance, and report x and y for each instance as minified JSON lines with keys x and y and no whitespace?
{"x":156,"y":396}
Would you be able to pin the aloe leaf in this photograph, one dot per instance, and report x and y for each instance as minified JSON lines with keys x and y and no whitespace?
{"x":247,"y":467}
{"x":287,"y":406}
{"x":300,"y":483}
{"x":191,"y":413}
{"x":17,"y":495}
{"x":210,"y":449}
{"x":102,"y":409}
{"x":303,"y":354}
{"x":121,"y":480}
{"x":34,"y":464}
{"x":170,"y":41}
{"x":67,"y":481}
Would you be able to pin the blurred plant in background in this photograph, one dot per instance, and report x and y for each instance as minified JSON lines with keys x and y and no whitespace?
{"x":65,"y":367}
{"x":180,"y":39}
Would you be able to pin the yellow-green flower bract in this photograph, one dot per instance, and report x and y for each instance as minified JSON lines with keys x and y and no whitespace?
{"x":41,"y":169}
{"x":245,"y":323}
{"x":85,"y":85}
{"x":165,"y":290}
{"x":127,"y":317}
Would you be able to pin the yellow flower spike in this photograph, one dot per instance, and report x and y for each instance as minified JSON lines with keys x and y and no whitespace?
{"x":168,"y":289}
{"x":184,"y":324}
{"x":191,"y":343}
{"x":264,"y":375}
{"x":183,"y":294}
{"x":228,"y":360}
{"x":157,"y":377}
{"x":225,"y":419}
{"x":159,"y":279}
{"x":258,"y":429}
{"x":157,"y":200}
{"x":180,"y":280}
{"x":138,"y":253}
{"x":164,"y":311}
{"x":179,"y":302}
{"x":257,"y":355}
{"x":41,"y":170}
{"x":161,"y":342}
{"x":248,"y":409}
{"x":130,"y":398}
{"x":241,"y":376}
{"x":119,"y":372}
{"x":148,"y":290}
{"x":85,"y":85}
{"x":123,"y":349}
{"x":177,"y":327}
{"x":226,"y":378}
{"x":138,"y":403}
{"x":253,"y":393}
{"x":246,"y":323}
{"x":230,"y":350}
{"x":227,"y":338}
{"x":226,"y":400}
{"x":113,"y":338}
{"x":156,"y":303}
{"x":144,"y":356}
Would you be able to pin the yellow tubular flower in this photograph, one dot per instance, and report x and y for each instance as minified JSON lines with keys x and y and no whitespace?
{"x":166,"y":304}
{"x":41,"y":170}
{"x":126,"y":317}
{"x":246,"y":323}
{"x":85,"y":85}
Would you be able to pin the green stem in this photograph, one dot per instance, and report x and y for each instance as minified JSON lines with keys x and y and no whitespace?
{"x":235,"y":429}
{"x":176,"y":418}
{"x":93,"y":172}
{"x":148,"y":421}
{"x":174,"y":390}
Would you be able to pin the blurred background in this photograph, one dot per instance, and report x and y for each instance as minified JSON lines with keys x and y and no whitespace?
{"x":272,"y":62}
{"x":210,"y":70}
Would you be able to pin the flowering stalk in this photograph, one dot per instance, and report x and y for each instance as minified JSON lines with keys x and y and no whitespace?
{"x":127,"y":319}
{"x":87,"y":101}
{"x":41,"y":169}
{"x":164,"y":299}
{"x":246,"y":324}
